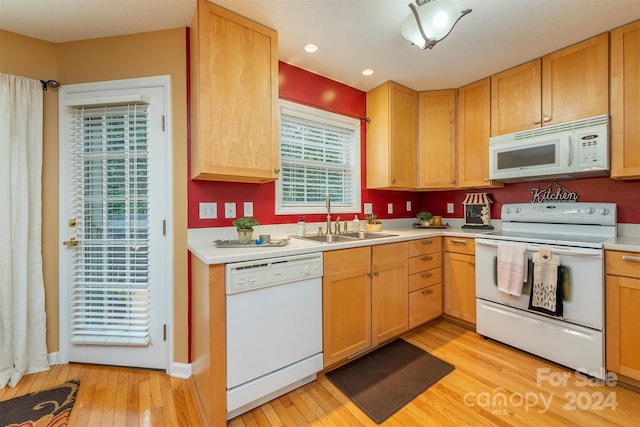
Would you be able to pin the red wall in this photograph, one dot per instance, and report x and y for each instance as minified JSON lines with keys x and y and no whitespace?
{"x":625,"y":193}
{"x":311,"y":89}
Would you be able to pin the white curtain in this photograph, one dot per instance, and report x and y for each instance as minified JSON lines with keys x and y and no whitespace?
{"x":23,"y":346}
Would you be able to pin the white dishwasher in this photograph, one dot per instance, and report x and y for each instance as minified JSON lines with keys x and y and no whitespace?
{"x":274,"y":328}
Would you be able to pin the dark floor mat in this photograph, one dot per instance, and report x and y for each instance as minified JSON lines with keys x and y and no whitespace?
{"x":385,"y":380}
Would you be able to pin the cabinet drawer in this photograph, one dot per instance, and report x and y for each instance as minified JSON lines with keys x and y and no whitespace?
{"x":391,"y":252}
{"x":347,"y":259}
{"x":463,"y":245}
{"x":622,"y":263}
{"x":425,"y":246}
{"x":425,"y":262}
{"x":424,"y":279}
{"x":424,"y":305}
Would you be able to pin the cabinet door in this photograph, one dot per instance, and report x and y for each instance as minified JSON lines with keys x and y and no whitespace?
{"x":474,"y":106}
{"x":391,"y":137}
{"x":625,"y":102}
{"x":575,"y":81}
{"x":235,"y":98}
{"x":515,"y":99}
{"x":623,"y":318}
{"x":437,"y":139}
{"x":460,"y":286}
{"x":346,"y":313}
{"x":389,"y":291}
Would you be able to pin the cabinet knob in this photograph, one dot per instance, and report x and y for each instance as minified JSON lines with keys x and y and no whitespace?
{"x":427,"y":291}
{"x":427,"y":258}
{"x":546,"y":119}
{"x":426,"y":275}
{"x":537,"y":121}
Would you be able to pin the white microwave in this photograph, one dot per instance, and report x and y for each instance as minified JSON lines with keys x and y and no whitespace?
{"x":567,"y":150}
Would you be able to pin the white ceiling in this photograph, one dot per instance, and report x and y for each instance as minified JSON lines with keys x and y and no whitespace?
{"x":351,"y":34}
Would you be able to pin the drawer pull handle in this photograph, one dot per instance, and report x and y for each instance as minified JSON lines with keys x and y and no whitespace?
{"x":377,"y":273}
{"x":631,"y":258}
{"x":426,"y":275}
{"x":427,"y":242}
{"x":427,"y":258}
{"x":458,"y":241}
{"x":427,"y":291}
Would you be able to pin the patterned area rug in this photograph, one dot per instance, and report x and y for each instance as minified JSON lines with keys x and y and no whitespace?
{"x":45,"y":408}
{"x":385,"y":380}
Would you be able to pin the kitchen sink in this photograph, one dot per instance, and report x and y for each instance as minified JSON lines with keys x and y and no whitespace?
{"x":347,"y":237}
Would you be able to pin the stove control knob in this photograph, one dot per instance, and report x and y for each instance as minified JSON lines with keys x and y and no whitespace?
{"x":518,"y":210}
{"x":508,"y":210}
{"x":590,"y":210}
{"x":604,"y":211}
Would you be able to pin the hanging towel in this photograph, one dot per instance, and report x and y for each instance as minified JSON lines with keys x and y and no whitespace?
{"x":512,"y":267}
{"x":547,"y":288}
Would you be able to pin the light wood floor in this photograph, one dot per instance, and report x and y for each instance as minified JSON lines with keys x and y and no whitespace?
{"x":537,"y":393}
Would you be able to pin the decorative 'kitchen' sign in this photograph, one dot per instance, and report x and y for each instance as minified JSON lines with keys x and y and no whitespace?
{"x":553,"y":194}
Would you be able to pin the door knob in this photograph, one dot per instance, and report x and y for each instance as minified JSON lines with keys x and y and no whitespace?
{"x":71,"y":242}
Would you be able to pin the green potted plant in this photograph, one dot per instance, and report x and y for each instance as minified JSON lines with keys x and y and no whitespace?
{"x":425,"y":218}
{"x":245,"y":229}
{"x":373,"y":223}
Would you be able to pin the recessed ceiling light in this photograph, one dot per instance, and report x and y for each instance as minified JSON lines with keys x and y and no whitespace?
{"x":310,"y":47}
{"x":367,"y":72}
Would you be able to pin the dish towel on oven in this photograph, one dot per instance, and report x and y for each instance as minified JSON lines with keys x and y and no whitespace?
{"x":512,"y":267}
{"x":547,"y":287}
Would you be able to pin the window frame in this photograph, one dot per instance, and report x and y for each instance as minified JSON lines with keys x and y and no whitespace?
{"x":331,"y":119}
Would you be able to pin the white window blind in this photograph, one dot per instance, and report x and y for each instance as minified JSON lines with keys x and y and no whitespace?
{"x":319,"y":156}
{"x":111,"y":276}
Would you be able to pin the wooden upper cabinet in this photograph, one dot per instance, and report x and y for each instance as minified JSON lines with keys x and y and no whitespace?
{"x":515,"y":99}
{"x":391,"y":137}
{"x":474,"y":112}
{"x":625,"y":102}
{"x":566,"y":85}
{"x":436,"y":160}
{"x":234,"y":97}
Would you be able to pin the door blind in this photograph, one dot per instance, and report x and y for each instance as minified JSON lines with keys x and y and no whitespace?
{"x":111,"y":294}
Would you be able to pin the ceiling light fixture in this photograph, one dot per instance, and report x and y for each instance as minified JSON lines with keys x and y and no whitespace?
{"x":310,"y":47}
{"x":430,"y":22}
{"x":367,"y":72}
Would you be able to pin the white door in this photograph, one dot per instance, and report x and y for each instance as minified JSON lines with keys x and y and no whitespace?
{"x":112,"y":213}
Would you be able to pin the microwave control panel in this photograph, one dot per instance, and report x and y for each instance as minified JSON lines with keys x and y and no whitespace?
{"x":591,"y":149}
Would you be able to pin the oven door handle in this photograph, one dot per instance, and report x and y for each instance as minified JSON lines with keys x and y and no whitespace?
{"x":595,"y":253}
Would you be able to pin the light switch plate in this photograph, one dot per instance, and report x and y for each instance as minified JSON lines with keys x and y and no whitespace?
{"x":389,"y":208}
{"x":408,"y":205}
{"x":230,"y":210}
{"x":208,"y":210}
{"x":248,"y":208}
{"x":368,"y":208}
{"x":449,"y":207}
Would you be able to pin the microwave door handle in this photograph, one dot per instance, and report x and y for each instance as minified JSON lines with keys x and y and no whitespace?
{"x":569,"y":150}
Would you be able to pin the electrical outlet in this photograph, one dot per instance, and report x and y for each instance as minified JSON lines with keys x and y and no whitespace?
{"x":368,"y":208}
{"x":389,"y":208}
{"x":230,"y":210}
{"x":408,"y":205}
{"x":449,"y":207}
{"x":248,"y":208}
{"x":208,"y":210}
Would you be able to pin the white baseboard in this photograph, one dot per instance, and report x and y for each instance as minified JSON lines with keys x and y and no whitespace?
{"x":53,"y":358}
{"x":180,"y":370}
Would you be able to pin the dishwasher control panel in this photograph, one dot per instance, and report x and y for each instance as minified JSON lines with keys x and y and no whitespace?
{"x":256,"y":274}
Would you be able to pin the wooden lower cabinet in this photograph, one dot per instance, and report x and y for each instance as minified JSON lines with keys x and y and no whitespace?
{"x":460,"y":278}
{"x":364,"y":298}
{"x":622,"y":313}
